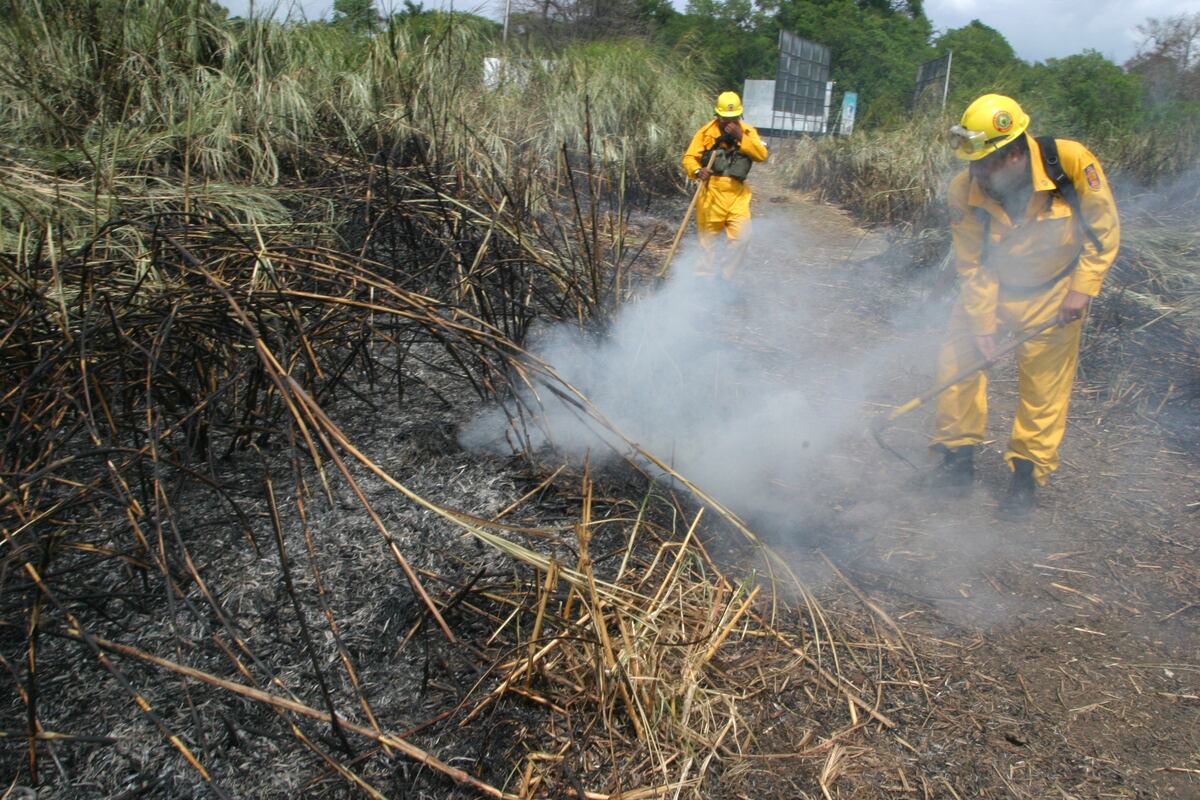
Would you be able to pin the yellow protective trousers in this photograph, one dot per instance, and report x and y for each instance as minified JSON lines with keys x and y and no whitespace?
{"x":1046,"y":372}
{"x":724,"y":202}
{"x":724,"y":205}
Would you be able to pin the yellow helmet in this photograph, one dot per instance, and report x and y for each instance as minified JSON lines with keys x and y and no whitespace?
{"x":988,"y":124}
{"x":729,"y":105}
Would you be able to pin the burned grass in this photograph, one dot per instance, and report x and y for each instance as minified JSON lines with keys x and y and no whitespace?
{"x":243,"y":554}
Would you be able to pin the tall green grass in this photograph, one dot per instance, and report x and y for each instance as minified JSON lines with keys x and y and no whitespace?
{"x":117,"y":98}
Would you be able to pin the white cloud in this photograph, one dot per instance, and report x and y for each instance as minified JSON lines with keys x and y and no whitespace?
{"x":1042,"y":29}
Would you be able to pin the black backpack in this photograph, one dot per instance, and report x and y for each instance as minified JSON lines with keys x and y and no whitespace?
{"x":1064,"y":186}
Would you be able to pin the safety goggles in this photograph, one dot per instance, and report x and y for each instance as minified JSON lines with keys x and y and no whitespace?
{"x":967,"y":141}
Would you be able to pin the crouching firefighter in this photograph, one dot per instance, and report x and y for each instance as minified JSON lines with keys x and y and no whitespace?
{"x":720,"y":156}
{"x":1034,"y":229}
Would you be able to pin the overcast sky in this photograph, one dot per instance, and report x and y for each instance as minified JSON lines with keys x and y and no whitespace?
{"x":1041,"y":29}
{"x":1037,"y":29}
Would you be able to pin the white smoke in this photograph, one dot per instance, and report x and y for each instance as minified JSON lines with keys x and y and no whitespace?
{"x":708,"y":378}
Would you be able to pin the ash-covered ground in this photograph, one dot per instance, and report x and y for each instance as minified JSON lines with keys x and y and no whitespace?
{"x":1054,"y":658}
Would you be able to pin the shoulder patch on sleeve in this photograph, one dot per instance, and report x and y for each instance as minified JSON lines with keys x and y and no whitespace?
{"x":956,"y":215}
{"x":1093,"y":177}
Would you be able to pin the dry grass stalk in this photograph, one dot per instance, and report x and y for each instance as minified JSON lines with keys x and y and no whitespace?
{"x":207,"y":328}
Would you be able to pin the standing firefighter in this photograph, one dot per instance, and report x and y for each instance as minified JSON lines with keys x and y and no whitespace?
{"x":732,"y":147}
{"x":1035,"y":229}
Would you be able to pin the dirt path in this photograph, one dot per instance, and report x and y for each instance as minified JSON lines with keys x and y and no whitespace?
{"x":1061,"y":653}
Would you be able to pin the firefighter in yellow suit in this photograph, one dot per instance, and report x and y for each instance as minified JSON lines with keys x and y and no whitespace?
{"x":1034,"y":228}
{"x":724,"y":202}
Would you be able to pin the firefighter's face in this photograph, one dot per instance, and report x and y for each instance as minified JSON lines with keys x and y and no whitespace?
{"x":1002,"y":172}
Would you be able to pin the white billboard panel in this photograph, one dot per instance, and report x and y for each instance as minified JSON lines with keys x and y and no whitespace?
{"x":758,"y":99}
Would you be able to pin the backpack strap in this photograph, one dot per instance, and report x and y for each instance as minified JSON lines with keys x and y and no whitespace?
{"x":985,"y":219}
{"x":1064,"y":186}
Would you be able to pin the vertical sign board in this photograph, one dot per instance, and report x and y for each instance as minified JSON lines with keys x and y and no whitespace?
{"x":800,"y":83}
{"x":933,"y":82}
{"x":849,"y":109}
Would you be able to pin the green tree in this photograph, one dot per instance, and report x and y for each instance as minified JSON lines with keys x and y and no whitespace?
{"x":656,"y":12}
{"x":876,"y":47}
{"x":734,"y":38}
{"x":741,"y":13}
{"x":356,"y":15}
{"x":1084,"y":96}
{"x":983,"y":62}
{"x":422,"y":23}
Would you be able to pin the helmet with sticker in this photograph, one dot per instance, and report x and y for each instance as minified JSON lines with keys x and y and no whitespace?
{"x":988,"y":124}
{"x":729,"y":105}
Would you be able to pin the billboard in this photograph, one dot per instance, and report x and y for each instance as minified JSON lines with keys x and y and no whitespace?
{"x":801,"y":85}
{"x":933,"y":81}
{"x":758,"y":97}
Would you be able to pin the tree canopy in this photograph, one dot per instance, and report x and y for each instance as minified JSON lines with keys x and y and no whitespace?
{"x":357,"y":15}
{"x":876,"y":47}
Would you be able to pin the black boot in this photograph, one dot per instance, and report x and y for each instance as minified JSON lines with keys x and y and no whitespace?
{"x":955,"y":476}
{"x":1021,"y":498}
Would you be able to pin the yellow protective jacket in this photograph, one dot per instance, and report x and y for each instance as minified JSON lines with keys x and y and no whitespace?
{"x":706,"y":139}
{"x":1032,"y":254}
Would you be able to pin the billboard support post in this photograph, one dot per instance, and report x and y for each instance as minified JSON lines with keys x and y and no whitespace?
{"x":946,"y":85}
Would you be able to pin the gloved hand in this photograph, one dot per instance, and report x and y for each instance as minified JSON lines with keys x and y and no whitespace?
{"x":1074,"y":306}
